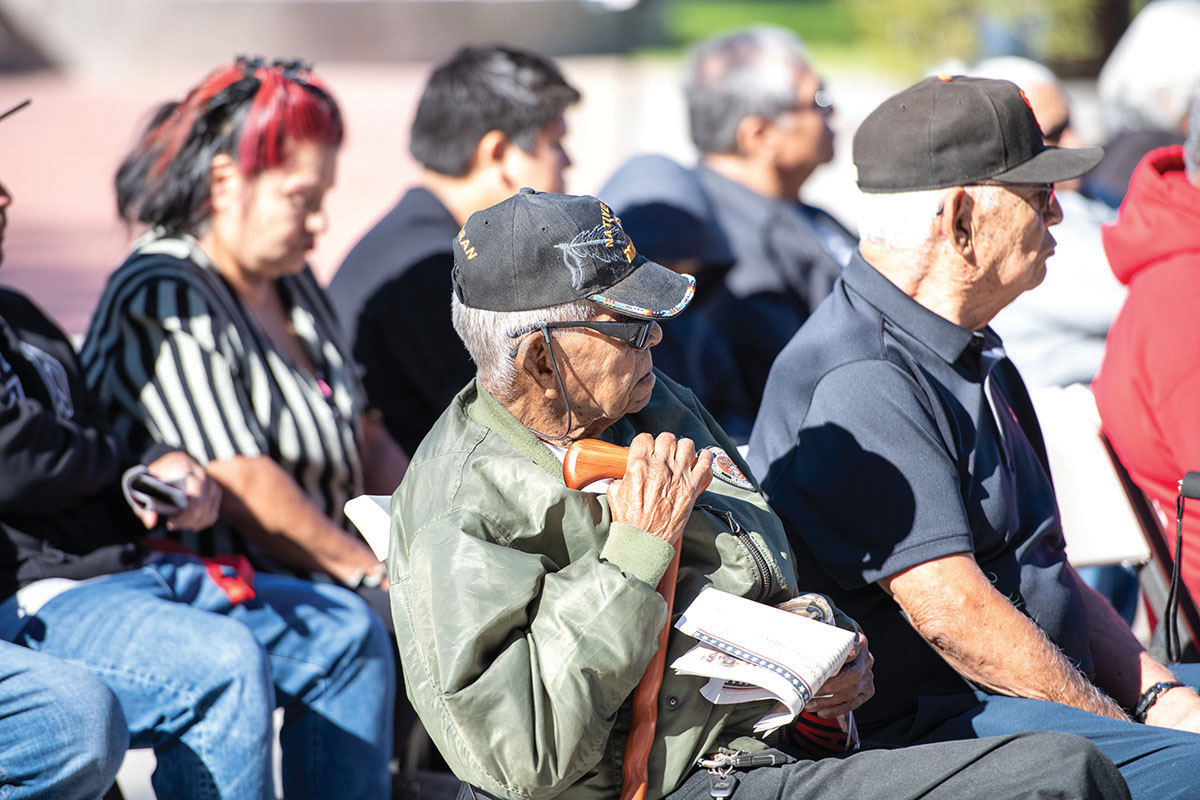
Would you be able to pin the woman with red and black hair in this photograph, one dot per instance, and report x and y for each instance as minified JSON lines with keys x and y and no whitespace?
{"x":214,"y":336}
{"x":197,"y":655}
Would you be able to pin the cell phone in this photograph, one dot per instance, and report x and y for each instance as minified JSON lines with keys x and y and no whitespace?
{"x":146,"y":492}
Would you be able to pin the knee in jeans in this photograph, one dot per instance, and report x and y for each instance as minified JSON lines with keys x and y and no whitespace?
{"x":99,"y":737}
{"x":236,"y":654}
{"x":362,"y":628}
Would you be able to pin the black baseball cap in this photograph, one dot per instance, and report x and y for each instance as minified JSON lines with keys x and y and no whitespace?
{"x":536,"y":250}
{"x":954,"y":131}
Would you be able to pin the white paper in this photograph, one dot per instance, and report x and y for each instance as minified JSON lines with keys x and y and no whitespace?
{"x":754,"y":652}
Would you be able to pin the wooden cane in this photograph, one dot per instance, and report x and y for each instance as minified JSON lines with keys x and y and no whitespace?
{"x":589,"y":460}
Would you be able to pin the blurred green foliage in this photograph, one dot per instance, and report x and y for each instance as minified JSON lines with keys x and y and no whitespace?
{"x":911,"y":36}
{"x":689,"y":21}
{"x":1058,"y":31}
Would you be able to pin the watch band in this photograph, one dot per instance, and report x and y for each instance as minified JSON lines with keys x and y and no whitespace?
{"x":1150,"y":697}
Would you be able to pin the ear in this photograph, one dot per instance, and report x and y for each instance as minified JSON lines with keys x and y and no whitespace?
{"x":958,"y":211}
{"x":225,"y":182}
{"x":490,"y":151}
{"x":534,"y":366}
{"x":755,"y":137}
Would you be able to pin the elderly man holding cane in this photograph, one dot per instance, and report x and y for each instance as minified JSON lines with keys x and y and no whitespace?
{"x":526,"y":611}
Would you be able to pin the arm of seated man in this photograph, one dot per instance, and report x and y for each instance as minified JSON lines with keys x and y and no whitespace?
{"x":955,"y":608}
{"x":1125,"y":669}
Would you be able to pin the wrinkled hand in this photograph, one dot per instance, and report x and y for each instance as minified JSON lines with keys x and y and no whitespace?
{"x":203,"y":493}
{"x":662,"y":481}
{"x":853,"y":685}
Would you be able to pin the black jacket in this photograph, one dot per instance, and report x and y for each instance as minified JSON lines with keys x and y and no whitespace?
{"x":392,"y":294}
{"x":61,"y":509}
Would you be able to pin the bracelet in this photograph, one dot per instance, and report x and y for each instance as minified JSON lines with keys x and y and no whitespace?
{"x":1150,"y":697}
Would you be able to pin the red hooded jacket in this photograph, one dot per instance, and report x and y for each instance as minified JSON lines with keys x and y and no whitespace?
{"x":1148,"y":386}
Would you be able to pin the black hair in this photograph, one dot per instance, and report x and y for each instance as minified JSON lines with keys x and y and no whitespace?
{"x":247,"y":110}
{"x":481,"y":89}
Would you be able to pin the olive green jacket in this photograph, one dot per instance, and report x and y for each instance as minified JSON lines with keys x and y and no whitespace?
{"x":525,"y":616}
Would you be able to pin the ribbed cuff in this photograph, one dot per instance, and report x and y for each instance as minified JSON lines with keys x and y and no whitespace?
{"x":637,"y":553}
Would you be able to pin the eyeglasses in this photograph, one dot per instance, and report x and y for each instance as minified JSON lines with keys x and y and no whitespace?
{"x":635,"y":333}
{"x":822,"y":103}
{"x":1042,"y":200}
{"x":1043,"y":197}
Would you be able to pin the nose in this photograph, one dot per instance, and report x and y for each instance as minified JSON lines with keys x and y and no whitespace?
{"x":1054,"y":212}
{"x":317,"y":222}
{"x":5,"y":197}
{"x":656,"y":335}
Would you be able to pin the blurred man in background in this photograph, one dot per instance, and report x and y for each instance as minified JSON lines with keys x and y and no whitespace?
{"x":759,"y":116}
{"x":1145,"y":87}
{"x":1055,"y":333}
{"x":489,"y":122}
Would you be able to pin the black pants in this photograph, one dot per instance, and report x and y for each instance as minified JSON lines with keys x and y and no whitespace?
{"x":1024,"y":765}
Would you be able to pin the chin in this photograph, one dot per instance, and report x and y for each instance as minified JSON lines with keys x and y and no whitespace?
{"x":643,"y":389}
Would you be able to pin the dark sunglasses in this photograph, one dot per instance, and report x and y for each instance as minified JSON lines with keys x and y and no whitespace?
{"x":635,"y":333}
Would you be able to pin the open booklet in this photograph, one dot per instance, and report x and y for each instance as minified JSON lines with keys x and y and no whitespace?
{"x":751,"y":651}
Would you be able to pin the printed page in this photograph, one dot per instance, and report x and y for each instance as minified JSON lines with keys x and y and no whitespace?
{"x":791,"y":656}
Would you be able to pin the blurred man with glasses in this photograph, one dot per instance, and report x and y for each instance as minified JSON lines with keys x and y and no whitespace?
{"x":759,"y":115}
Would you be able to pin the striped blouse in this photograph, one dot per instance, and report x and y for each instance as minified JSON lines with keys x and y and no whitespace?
{"x":173,"y":356}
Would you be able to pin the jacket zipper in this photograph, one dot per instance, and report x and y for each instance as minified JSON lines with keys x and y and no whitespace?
{"x":743,"y":538}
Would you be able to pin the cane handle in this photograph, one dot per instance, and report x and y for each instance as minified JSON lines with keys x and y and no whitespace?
{"x":590,"y":460}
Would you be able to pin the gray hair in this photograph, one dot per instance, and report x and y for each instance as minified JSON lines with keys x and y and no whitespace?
{"x":901,"y":220}
{"x":486,"y":336}
{"x":1149,"y":79}
{"x":738,"y":75}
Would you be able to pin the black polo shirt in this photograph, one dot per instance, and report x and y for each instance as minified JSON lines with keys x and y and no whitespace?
{"x":878,"y":446}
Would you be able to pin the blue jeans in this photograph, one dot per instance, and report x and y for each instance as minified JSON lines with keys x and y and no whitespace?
{"x":62,"y":733}
{"x":1157,"y":763}
{"x":197,"y":678}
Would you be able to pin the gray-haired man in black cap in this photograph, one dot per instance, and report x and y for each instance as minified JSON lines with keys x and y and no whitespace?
{"x":899,"y":445}
{"x":526,"y":611}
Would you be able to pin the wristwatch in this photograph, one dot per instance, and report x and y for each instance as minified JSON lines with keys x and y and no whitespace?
{"x":1150,"y":697}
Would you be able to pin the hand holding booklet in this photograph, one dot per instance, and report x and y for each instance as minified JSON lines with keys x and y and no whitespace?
{"x":751,"y":651}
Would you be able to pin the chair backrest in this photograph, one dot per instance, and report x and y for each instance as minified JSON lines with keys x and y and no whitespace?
{"x":1155,"y":577}
{"x":1100,"y":522}
{"x":1106,"y":518}
{"x":370,"y":513}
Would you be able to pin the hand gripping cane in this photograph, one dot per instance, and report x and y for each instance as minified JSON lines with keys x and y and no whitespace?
{"x":589,"y":460}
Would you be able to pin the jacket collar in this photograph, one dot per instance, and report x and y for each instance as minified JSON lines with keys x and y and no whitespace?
{"x":491,"y":413}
